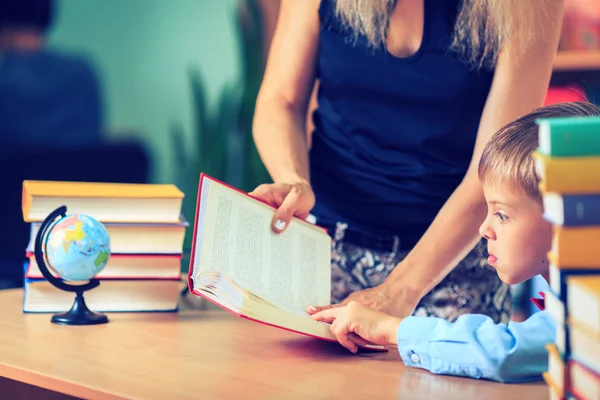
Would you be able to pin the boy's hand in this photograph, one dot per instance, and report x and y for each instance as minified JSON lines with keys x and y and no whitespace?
{"x":355,"y":325}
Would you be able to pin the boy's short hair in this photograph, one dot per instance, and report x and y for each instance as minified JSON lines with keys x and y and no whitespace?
{"x":507,"y":156}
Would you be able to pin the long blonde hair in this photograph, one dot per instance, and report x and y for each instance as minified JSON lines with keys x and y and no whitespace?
{"x":482,"y":27}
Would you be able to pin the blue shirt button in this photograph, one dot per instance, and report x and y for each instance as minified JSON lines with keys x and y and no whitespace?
{"x":414,"y":357}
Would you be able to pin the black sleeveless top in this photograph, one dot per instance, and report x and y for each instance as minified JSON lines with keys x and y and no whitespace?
{"x":393,"y":136}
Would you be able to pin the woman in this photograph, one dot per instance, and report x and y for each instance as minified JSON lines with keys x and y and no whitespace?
{"x":409,"y":93}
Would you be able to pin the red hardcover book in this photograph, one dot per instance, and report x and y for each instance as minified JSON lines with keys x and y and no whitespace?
{"x":241,"y":265}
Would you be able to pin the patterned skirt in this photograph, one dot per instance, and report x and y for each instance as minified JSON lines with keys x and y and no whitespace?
{"x":473,"y":287}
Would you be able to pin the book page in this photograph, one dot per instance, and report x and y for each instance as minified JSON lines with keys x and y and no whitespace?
{"x":236,"y":239}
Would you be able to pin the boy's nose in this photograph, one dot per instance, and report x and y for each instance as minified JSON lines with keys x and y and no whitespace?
{"x":486,"y":231}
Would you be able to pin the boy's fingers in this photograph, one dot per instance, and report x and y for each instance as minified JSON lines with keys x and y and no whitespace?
{"x":327,"y":315}
{"x":316,"y":309}
{"x":358,"y":340}
{"x":322,"y":318}
{"x":339,"y":329}
{"x":347,"y":343}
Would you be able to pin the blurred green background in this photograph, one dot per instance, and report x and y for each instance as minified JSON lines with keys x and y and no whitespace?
{"x":180,"y":76}
{"x":144,"y":50}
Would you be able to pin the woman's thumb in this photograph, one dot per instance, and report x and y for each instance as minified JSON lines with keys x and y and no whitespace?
{"x":285,"y":212}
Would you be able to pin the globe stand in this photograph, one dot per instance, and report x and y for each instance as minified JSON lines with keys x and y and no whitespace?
{"x":79,"y":314}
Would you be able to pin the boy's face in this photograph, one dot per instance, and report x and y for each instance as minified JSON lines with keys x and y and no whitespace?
{"x":518,"y":237}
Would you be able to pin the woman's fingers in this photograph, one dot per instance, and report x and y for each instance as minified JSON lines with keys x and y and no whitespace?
{"x":264,"y":192}
{"x":285,"y":212}
{"x":289,"y":200}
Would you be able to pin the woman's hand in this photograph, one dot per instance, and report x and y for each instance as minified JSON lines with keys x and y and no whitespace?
{"x":389,"y":297}
{"x":289,"y":199}
{"x":354,"y":325}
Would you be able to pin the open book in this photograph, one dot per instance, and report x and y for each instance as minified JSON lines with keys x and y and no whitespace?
{"x":241,"y":265}
{"x":256,"y":306}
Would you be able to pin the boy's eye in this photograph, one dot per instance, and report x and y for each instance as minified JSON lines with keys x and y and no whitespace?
{"x":501,"y":216}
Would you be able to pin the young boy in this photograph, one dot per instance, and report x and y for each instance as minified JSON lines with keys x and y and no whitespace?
{"x":518,"y":241}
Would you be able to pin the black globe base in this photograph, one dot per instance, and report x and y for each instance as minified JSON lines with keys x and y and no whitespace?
{"x":79,"y":314}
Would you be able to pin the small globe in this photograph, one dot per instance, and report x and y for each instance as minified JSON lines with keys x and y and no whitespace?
{"x":77,"y":247}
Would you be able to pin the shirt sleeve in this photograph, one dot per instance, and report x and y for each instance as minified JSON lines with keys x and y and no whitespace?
{"x":476,"y":347}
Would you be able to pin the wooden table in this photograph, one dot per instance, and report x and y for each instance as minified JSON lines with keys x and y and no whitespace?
{"x":207,"y":355}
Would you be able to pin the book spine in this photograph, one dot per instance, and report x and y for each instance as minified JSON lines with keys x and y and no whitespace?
{"x":559,"y":276}
{"x":569,"y":144}
{"x":569,"y":138}
{"x":571,"y":175}
{"x":581,"y":210}
{"x":575,"y":247}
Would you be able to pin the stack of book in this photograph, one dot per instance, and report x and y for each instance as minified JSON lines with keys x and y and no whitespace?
{"x":146,"y":231}
{"x":568,"y":163}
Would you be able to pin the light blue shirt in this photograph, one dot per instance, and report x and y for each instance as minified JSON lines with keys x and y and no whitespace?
{"x":476,"y":347}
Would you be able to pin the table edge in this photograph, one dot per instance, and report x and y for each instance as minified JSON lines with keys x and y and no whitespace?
{"x":55,"y":384}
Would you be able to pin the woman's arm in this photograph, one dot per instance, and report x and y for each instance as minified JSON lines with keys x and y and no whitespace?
{"x":520,"y":85}
{"x":281,"y":105}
